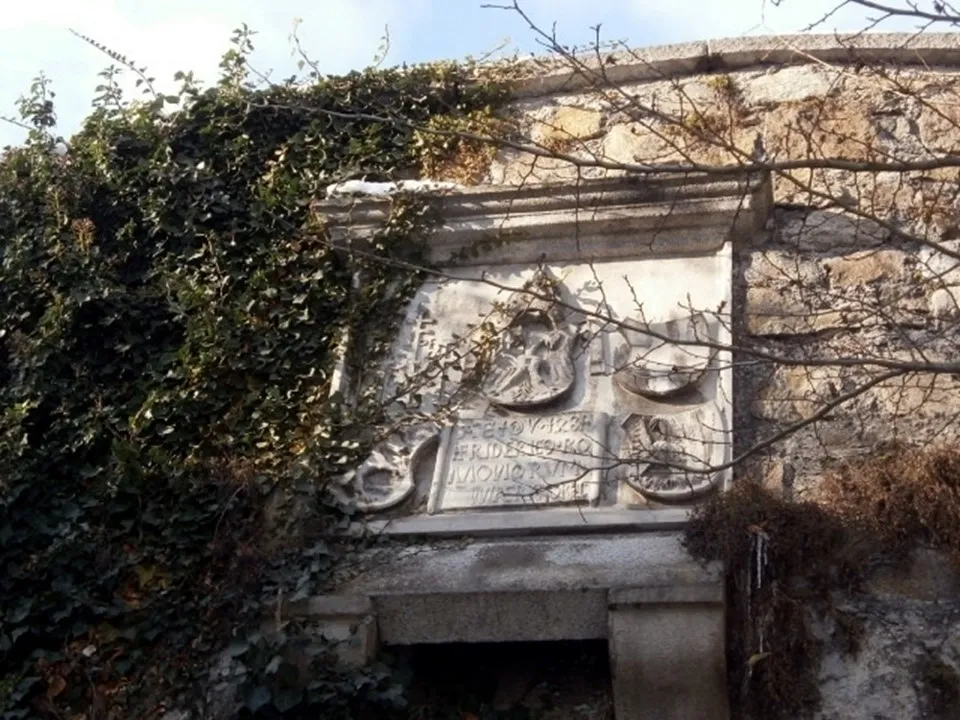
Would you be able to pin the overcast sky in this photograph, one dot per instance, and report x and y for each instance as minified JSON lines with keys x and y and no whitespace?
{"x":172,"y":35}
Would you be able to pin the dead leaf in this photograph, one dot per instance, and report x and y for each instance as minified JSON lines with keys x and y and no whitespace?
{"x":56,"y":686}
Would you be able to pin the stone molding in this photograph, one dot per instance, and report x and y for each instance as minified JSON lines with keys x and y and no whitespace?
{"x":520,"y":523}
{"x":664,"y":62}
{"x":602,"y":219}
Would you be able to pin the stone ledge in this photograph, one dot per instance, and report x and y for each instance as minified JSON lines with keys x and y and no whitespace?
{"x":332,"y":606}
{"x":531,"y":522}
{"x":729,"y":54}
{"x":519,"y":589}
{"x":600,"y":562}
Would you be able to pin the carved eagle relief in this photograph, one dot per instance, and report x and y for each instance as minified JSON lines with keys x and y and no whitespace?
{"x":533,"y":362}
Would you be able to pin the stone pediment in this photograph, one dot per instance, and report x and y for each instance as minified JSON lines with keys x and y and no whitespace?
{"x":603,"y":219}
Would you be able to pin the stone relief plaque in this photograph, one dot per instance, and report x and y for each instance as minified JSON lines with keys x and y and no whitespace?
{"x":546,"y":403}
{"x":520,"y":460}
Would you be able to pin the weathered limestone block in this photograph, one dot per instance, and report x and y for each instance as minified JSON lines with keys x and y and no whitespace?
{"x":790,"y":310}
{"x":944,"y":302}
{"x":634,"y":143}
{"x":680,"y":675}
{"x":568,"y":123}
{"x":780,"y":268}
{"x":778,"y":475}
{"x":937,"y":266}
{"x":867,"y":266}
{"x":820,"y":127}
{"x":928,"y":394}
{"x":785,"y":84}
{"x":796,"y":392}
{"x":827,"y":230}
{"x":938,"y":122}
{"x":516,"y":168}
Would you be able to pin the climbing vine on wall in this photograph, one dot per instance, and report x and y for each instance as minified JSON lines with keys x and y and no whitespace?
{"x":169,"y":318}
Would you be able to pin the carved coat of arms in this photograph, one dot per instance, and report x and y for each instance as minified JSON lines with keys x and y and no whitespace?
{"x":672,"y":457}
{"x":533,"y":362}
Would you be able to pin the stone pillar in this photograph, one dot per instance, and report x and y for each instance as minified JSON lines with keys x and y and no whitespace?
{"x":667,"y":653}
{"x":347,"y":621}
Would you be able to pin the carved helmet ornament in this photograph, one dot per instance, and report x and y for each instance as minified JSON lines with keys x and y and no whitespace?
{"x":532,"y":364}
{"x":665,"y":360}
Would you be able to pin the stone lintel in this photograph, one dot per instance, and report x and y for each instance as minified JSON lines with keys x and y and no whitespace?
{"x":591,"y":220}
{"x":707,"y":593}
{"x":542,"y":615}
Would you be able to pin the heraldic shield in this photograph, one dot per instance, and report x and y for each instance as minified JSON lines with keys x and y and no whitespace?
{"x":673,"y":457}
{"x":533,"y":362}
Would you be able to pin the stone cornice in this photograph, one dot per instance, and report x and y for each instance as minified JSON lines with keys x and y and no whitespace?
{"x":548,"y":77}
{"x":604,"y":219}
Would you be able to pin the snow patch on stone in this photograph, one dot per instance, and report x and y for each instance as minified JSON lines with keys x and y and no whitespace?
{"x":385,"y":189}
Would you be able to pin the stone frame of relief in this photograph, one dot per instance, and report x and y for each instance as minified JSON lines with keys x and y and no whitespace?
{"x":541,"y":416}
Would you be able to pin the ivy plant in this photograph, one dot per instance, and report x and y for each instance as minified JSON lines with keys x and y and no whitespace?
{"x":169,"y":322}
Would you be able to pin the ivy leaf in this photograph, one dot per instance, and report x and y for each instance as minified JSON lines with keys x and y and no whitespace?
{"x":237,"y":648}
{"x":286,"y":699}
{"x":258,"y":698}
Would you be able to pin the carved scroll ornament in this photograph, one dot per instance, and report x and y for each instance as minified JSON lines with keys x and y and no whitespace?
{"x":387,"y":477}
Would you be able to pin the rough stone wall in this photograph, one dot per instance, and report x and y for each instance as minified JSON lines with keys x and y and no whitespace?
{"x":821,"y":281}
{"x":846,"y":268}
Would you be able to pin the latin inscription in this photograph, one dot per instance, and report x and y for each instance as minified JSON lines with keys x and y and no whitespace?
{"x":526,"y":460}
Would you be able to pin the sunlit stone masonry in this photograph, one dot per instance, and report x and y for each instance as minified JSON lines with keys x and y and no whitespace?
{"x":562,"y":394}
{"x":562,"y":390}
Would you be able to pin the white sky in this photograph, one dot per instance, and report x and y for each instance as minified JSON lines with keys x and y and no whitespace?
{"x":171,"y":35}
